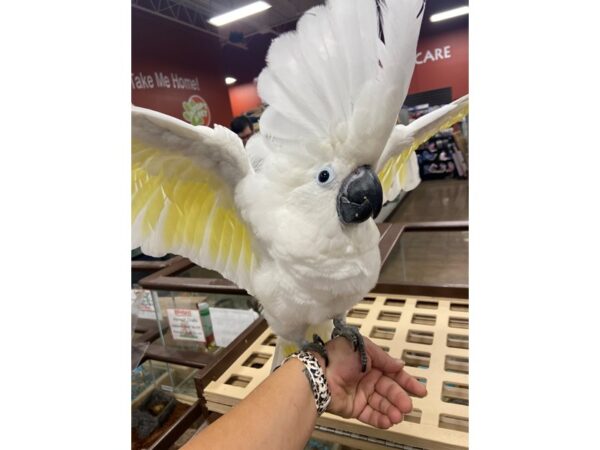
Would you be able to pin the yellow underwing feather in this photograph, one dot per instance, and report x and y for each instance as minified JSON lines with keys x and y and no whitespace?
{"x":395,"y":172}
{"x":179,"y":207}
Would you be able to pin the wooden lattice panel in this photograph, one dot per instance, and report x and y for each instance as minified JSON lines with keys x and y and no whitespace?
{"x":429,"y":334}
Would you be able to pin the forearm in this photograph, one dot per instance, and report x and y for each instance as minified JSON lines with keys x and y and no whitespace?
{"x":280,"y":413}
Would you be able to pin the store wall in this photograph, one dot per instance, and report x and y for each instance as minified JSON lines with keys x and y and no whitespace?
{"x":172,"y":64}
{"x":442,"y":61}
{"x":243,"y":98}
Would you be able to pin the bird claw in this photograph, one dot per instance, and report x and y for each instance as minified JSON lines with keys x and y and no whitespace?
{"x":353,"y":335}
{"x":317,"y":345}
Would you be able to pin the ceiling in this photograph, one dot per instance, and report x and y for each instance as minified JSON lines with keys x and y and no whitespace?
{"x":281,"y":17}
{"x":245,"y":42}
{"x":281,"y":13}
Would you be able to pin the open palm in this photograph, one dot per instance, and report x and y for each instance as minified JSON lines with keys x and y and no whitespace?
{"x":377,"y":397}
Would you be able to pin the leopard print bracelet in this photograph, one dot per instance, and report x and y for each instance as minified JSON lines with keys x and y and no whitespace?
{"x":316,"y":379}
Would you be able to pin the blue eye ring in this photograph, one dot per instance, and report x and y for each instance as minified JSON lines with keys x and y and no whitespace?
{"x":325,"y":176}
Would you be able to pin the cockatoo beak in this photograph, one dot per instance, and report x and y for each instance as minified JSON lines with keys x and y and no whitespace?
{"x":360,"y":196}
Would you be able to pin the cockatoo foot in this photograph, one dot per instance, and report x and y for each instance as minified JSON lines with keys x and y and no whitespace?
{"x":353,"y":335}
{"x":317,"y":345}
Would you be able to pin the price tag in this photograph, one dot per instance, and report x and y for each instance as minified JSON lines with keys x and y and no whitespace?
{"x":185,"y":324}
{"x":144,"y":304}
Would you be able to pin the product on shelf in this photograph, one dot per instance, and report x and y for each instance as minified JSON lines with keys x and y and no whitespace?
{"x":440,"y":156}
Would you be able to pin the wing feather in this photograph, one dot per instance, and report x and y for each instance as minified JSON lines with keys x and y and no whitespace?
{"x":183,"y":180}
{"x":397,"y":168}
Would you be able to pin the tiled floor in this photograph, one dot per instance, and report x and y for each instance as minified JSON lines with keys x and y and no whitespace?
{"x":431,"y":257}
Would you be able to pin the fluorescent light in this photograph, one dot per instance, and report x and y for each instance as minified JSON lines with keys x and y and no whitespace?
{"x":230,"y":80}
{"x":449,"y":14}
{"x":239,"y":13}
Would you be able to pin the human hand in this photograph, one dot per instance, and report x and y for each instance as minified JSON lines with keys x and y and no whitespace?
{"x":377,"y":397}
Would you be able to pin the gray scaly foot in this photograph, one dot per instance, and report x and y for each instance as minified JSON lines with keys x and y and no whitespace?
{"x":353,"y":335}
{"x":317,"y":345}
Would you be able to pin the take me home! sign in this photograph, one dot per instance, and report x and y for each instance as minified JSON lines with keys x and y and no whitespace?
{"x":159,"y":80}
{"x":434,"y":55}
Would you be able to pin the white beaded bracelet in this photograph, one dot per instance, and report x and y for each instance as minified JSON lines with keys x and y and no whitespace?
{"x":316,"y":379}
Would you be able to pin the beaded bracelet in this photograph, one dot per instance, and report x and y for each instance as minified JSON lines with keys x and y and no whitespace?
{"x":316,"y":379}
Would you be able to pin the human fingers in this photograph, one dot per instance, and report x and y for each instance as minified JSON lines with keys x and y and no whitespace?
{"x":409,"y":383}
{"x":380,"y":359}
{"x":372,"y":417}
{"x":384,"y":406}
{"x":390,"y":389}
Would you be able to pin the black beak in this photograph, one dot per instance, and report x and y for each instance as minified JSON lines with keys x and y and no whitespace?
{"x":360,"y":196}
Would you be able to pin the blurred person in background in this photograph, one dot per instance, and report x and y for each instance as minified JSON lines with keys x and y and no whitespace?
{"x":242,"y":126}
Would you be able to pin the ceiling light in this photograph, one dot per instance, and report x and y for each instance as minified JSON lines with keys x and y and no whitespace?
{"x":230,"y":80}
{"x":238,"y":13}
{"x":449,"y":14}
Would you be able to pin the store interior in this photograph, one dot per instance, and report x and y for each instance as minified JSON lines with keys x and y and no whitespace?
{"x":182,"y":380}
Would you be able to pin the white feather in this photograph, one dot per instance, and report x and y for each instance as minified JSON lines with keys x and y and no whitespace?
{"x":334,"y":81}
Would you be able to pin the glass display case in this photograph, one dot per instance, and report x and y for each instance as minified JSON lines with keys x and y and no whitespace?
{"x":183,"y":336}
{"x":425,"y":258}
{"x":164,"y":403}
{"x":173,"y":378}
{"x":178,"y":377}
{"x":170,"y":353}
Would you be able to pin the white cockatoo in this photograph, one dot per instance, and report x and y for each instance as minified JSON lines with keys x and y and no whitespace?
{"x":290,"y":217}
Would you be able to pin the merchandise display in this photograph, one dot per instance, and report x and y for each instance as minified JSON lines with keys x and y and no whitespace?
{"x":159,"y":375}
{"x":197,"y":193}
{"x":181,"y":335}
{"x":170,"y":351}
{"x":178,"y":361}
{"x":152,"y":413}
{"x":440,"y":157}
{"x":162,"y":395}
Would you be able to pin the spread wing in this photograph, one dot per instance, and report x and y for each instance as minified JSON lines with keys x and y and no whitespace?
{"x":341,"y":78}
{"x":183,"y":179}
{"x":397,"y":167}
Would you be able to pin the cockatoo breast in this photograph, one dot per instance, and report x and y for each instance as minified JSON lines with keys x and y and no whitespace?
{"x":301,"y":290}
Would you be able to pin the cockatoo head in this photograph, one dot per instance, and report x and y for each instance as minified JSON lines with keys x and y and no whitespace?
{"x":322,"y":197}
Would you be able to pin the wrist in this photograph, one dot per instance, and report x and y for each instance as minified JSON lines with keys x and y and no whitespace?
{"x":314,"y":370}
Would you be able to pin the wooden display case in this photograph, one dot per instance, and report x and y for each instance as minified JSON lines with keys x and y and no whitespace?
{"x":142,"y":265}
{"x":146,"y":330}
{"x":429,"y":333}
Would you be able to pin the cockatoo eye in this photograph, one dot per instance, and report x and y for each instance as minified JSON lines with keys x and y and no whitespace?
{"x":325,"y":176}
